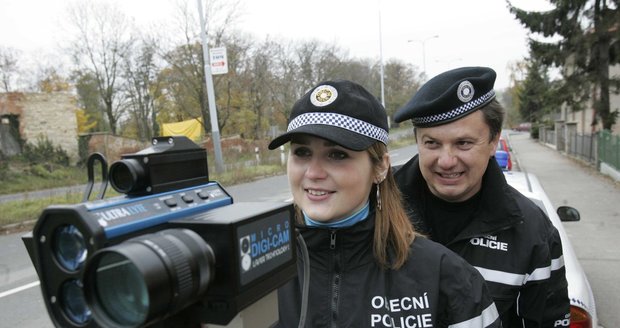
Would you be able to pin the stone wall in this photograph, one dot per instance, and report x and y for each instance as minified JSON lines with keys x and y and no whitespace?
{"x":44,"y":115}
{"x":113,"y":147}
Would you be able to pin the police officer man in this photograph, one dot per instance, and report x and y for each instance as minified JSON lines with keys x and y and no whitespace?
{"x":457,"y":195}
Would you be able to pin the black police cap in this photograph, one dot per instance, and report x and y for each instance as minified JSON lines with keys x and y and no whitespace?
{"x":449,"y":96}
{"x":342,"y":112}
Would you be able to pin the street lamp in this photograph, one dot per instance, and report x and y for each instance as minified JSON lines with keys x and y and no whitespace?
{"x":423,"y":42}
{"x":449,"y":62}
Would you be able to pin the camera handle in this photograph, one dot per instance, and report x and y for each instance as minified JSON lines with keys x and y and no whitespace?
{"x":91,"y":175}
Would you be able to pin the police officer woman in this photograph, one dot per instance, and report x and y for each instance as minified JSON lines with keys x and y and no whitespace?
{"x":368,"y":268}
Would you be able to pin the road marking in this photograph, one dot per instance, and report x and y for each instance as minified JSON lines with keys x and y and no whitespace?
{"x":19,"y":289}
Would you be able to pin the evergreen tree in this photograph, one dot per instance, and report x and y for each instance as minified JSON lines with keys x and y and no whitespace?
{"x":535,"y":93}
{"x":585,"y":30}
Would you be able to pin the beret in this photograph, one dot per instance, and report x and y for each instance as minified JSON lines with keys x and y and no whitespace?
{"x":449,"y":96}
{"x":340,"y":111}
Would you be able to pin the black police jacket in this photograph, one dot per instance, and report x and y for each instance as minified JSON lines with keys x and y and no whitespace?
{"x":511,"y":241}
{"x":434,"y":288}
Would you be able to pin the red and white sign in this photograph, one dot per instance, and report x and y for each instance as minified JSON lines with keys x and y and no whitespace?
{"x":219,"y":62}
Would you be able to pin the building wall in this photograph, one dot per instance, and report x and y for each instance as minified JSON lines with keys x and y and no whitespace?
{"x":584,"y":118}
{"x":50,"y":115}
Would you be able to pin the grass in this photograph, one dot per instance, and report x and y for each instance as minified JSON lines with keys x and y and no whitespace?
{"x":26,"y":211}
{"x":20,"y":215}
{"x":20,"y":177}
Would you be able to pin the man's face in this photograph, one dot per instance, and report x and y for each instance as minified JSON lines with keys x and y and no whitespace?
{"x":454,"y":156}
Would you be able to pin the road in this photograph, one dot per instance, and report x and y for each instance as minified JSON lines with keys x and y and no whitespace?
{"x":566,"y":182}
{"x":595,"y":237}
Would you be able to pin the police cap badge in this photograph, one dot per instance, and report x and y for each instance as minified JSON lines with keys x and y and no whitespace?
{"x":340,"y":111}
{"x":449,"y":96}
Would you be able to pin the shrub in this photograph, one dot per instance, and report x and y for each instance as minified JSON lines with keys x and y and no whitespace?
{"x":4,"y":169}
{"x":41,"y":170}
{"x":44,"y":151}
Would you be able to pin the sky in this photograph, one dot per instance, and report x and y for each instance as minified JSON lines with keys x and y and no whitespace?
{"x":434,"y":35}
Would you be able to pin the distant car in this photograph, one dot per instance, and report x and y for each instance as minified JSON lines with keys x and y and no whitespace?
{"x":582,"y":308}
{"x":523,"y":127}
{"x":502,"y":155}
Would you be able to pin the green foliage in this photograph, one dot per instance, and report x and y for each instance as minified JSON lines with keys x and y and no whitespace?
{"x":24,"y":211}
{"x":89,"y":101}
{"x":44,"y":151}
{"x":535,"y":93}
{"x":584,"y":31}
{"x":83,"y":151}
{"x":4,"y":170}
{"x":534,"y":131}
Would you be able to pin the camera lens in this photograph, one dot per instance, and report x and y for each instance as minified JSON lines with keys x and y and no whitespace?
{"x":74,"y":303}
{"x":69,"y":247}
{"x":146,"y":278}
{"x":126,"y":175}
{"x":121,"y":290}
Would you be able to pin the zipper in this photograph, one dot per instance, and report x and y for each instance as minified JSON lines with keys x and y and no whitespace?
{"x":335,"y":298}
{"x":335,"y":283}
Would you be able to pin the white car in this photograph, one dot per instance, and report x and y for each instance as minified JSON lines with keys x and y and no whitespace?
{"x":583,"y":309}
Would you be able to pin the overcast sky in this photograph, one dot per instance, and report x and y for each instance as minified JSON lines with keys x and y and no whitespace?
{"x":474,"y":32}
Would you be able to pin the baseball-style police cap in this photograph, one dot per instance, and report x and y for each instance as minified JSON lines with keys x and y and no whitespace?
{"x":449,"y":96}
{"x":342,"y":112}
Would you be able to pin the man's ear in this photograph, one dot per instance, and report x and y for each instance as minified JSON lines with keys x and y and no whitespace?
{"x":494,"y":143}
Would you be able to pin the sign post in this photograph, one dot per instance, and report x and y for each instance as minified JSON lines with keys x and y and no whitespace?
{"x":215,"y":130}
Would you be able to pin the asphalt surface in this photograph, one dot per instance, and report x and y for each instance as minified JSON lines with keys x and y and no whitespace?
{"x":597,"y":197}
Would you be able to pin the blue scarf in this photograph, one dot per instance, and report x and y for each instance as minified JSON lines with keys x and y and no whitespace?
{"x":346,"y":222}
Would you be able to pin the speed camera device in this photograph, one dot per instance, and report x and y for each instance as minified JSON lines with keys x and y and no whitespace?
{"x":174,"y":251}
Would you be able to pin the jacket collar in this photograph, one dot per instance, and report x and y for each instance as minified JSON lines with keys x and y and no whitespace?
{"x":498,"y":209}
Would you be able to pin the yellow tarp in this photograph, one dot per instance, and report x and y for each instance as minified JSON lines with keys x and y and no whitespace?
{"x":190,"y":128}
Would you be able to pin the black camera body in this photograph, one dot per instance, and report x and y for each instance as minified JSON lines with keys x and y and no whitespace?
{"x":174,"y":259}
{"x":170,"y":163}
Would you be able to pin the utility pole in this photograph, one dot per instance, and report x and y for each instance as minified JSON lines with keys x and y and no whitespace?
{"x":381,"y":62}
{"x":215,"y":130}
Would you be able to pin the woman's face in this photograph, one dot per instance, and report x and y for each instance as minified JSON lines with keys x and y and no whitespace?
{"x":328,"y":182}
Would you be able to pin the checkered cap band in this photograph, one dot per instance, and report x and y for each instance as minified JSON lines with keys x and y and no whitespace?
{"x":341,"y":121}
{"x":455,"y":112}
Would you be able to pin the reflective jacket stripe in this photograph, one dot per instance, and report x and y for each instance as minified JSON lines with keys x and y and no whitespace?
{"x":557,"y":264}
{"x":538,"y":275}
{"x":514,"y":279}
{"x":485,"y":319}
{"x":505,"y":278}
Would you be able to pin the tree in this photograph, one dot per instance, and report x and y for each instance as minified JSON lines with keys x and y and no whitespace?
{"x":102,"y":41}
{"x":8,"y":67}
{"x":186,"y":60}
{"x":89,"y":100}
{"x":142,"y":86}
{"x":402,"y":81}
{"x":585,"y":30}
{"x":534,"y":93}
{"x":85,"y":123}
{"x":52,"y":81}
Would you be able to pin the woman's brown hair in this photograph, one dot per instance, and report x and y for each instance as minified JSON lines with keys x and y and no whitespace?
{"x":393,"y":230}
